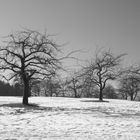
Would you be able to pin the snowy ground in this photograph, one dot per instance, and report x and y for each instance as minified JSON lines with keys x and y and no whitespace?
{"x":69,"y":119}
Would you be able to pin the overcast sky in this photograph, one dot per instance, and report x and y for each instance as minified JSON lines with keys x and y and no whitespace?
{"x":84,"y":24}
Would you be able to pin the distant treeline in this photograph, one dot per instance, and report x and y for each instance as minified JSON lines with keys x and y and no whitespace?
{"x":10,"y":90}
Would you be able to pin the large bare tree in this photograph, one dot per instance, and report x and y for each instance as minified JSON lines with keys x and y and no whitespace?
{"x":29,"y":55}
{"x":102,"y":69}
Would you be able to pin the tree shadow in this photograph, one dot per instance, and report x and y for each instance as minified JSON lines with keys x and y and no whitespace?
{"x":18,"y":108}
{"x":19,"y":105}
{"x":99,"y":101}
{"x":34,"y":108}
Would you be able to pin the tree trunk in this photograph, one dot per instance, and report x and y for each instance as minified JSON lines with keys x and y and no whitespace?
{"x":101,"y":94}
{"x":75,"y":93}
{"x":26,"y":92}
{"x":131,"y":97}
{"x":126,"y":96}
{"x":63,"y":93}
{"x":135,"y":95}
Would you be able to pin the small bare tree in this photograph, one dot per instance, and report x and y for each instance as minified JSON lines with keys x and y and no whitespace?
{"x":130,"y":86}
{"x":29,"y":55}
{"x":51,"y":86}
{"x":102,"y":69}
{"x":74,"y":83}
{"x":129,"y":82}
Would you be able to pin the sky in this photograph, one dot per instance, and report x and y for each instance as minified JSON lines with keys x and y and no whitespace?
{"x":85,"y":25}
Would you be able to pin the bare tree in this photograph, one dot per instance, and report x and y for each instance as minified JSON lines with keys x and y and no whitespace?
{"x":129,"y":83}
{"x":88,"y":87}
{"x":110,"y":92}
{"x":64,"y":91}
{"x":122,"y":92}
{"x":102,"y":69}
{"x":51,"y":86}
{"x":135,"y":71}
{"x":29,"y":55}
{"x":35,"y":88}
{"x":74,"y":83}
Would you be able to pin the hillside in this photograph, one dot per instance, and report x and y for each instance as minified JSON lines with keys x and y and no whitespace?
{"x":69,"y":118}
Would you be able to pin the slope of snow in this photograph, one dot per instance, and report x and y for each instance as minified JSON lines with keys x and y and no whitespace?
{"x":69,"y":119}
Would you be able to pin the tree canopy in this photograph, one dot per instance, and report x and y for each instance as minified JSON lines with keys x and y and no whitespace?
{"x":102,"y":69}
{"x":29,"y":55}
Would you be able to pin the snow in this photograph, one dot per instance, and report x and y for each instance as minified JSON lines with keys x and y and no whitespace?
{"x":57,"y":118}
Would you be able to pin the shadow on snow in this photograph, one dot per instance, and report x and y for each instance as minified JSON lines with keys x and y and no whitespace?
{"x":99,"y":111}
{"x":35,"y":108}
{"x":95,"y":101}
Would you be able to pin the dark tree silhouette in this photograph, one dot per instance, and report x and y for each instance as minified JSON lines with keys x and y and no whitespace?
{"x":51,"y":86}
{"x":102,"y":69}
{"x":29,"y":55}
{"x":9,"y":90}
{"x":110,"y":92}
{"x":73,"y":84}
{"x":129,"y":85}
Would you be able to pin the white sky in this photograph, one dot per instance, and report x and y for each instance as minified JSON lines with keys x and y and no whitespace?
{"x":85,"y":24}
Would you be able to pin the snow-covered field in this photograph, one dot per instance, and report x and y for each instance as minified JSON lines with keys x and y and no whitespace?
{"x":69,"y":119}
